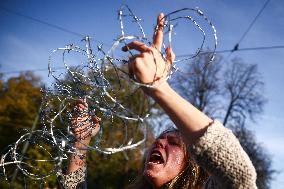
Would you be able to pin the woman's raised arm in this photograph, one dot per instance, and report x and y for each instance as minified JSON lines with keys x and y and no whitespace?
{"x":214,"y":147}
{"x":149,"y":67}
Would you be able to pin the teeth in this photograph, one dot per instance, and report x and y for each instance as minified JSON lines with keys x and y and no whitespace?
{"x":156,"y":158}
{"x":156,"y":154}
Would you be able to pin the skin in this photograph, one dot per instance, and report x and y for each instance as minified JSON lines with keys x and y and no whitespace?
{"x":78,"y":161}
{"x":171,"y":148}
{"x":149,"y":67}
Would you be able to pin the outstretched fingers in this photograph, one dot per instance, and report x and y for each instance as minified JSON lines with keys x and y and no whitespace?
{"x":136,"y":45}
{"x":158,"y":35}
{"x":83,"y":124}
{"x":130,"y":67}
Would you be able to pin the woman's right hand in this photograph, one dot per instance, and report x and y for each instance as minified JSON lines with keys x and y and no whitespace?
{"x":149,"y":66}
{"x":83,"y":125}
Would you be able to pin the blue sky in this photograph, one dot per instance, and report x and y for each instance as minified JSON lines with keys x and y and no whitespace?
{"x":26,"y":44}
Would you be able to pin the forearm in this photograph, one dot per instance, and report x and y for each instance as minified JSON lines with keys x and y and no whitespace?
{"x":78,"y":160}
{"x":189,"y":120}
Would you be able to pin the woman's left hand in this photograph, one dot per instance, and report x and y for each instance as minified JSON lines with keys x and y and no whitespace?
{"x":83,"y":125}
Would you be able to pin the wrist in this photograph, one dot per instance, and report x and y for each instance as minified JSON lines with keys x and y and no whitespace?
{"x":159,"y":92}
{"x":82,"y":145}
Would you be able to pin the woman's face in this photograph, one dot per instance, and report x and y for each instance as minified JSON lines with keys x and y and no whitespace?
{"x":165,"y":159}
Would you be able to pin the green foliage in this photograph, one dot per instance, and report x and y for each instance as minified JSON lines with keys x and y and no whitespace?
{"x":20,"y":99}
{"x":115,"y":171}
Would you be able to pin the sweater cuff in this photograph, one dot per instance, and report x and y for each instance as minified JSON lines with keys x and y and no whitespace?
{"x":73,"y":179}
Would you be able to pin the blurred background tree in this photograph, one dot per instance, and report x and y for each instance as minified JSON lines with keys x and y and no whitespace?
{"x":20,"y":100}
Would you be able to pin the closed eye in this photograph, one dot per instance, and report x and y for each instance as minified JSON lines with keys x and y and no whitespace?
{"x":174,"y":141}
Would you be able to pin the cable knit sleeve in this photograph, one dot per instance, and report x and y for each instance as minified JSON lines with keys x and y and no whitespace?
{"x":74,"y":180}
{"x":220,"y":153}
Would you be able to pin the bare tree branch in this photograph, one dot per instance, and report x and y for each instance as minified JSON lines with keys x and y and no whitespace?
{"x":244,"y":88}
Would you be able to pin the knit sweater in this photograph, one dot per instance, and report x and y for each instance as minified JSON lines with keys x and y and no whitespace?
{"x":218,"y":151}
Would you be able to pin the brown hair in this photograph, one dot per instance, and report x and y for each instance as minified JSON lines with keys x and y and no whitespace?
{"x":191,"y":177}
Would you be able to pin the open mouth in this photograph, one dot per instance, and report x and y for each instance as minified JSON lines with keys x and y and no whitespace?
{"x":156,"y":157}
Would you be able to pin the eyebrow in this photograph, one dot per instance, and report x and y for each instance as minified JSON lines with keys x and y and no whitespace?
{"x":170,"y":135}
